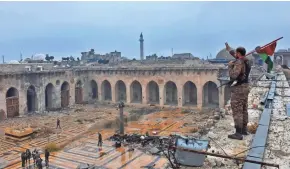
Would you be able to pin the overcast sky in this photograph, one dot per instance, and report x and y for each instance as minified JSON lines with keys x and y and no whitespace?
{"x":201,"y":28}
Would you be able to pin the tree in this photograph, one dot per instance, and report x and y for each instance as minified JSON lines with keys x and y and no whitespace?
{"x":78,"y":59}
{"x":47,"y":58}
{"x":133,"y":59}
{"x":51,"y":58}
{"x":72,"y":58}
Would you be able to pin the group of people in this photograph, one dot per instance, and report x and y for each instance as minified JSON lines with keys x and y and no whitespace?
{"x":37,"y":161}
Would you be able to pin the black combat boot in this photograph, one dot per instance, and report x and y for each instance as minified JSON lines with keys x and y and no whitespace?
{"x":245,"y":130}
{"x":237,"y":135}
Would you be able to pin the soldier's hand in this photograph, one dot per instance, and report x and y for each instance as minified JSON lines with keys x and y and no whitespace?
{"x":228,"y":48}
{"x":231,"y":63}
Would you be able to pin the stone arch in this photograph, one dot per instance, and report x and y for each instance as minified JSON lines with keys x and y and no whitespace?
{"x":170,"y":93}
{"x":227,"y":94}
{"x":136,"y":92}
{"x":189,"y":94}
{"x":49,"y":96}
{"x":94,"y":89}
{"x":31,"y":99}
{"x":79,"y":92}
{"x":12,"y":102}
{"x":210,"y":95}
{"x":120,"y":91}
{"x":57,"y":82}
{"x":152,"y":91}
{"x":106,"y":90}
{"x":65,"y":94}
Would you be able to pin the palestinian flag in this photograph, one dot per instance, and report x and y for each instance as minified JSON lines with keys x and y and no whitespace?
{"x":266,"y":52}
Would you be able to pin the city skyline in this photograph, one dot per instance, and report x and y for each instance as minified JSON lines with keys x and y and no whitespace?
{"x":200,"y":28}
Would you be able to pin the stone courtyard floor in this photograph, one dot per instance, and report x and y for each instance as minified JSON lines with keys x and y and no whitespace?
{"x":84,"y":149}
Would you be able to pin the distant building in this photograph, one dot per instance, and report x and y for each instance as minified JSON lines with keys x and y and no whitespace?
{"x":164,"y":58}
{"x":282,"y":57}
{"x":183,"y":56}
{"x":152,"y":57}
{"x":89,"y":57}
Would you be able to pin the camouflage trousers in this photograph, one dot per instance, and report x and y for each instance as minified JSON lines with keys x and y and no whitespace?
{"x":239,"y":104}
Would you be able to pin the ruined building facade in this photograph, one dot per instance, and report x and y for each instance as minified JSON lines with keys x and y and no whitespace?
{"x":37,"y":91}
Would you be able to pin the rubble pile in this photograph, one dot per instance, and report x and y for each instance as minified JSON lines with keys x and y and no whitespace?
{"x":140,"y":141}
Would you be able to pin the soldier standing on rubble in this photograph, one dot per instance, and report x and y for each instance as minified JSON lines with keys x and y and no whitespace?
{"x":100,"y":140}
{"x":239,"y":71}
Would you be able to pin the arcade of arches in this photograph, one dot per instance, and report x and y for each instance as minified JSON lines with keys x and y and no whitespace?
{"x":187,"y":94}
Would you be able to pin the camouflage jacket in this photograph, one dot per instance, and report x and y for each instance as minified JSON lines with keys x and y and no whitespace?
{"x":237,"y":70}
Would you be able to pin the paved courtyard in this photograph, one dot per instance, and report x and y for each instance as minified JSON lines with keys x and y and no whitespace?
{"x":85,"y":150}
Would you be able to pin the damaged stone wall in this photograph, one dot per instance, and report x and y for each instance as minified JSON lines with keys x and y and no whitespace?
{"x":143,"y":94}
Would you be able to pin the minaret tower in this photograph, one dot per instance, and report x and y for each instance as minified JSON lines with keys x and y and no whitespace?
{"x":141,"y":47}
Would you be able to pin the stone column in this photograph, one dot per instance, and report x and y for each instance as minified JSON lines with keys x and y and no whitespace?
{"x":128,"y":93}
{"x":113,"y":93}
{"x":57,"y":96}
{"x":22,"y":102}
{"x":121,"y":106}
{"x":221,"y":97}
{"x":41,"y":98}
{"x":72,"y":93}
{"x":100,"y":97}
{"x":161,"y":95}
{"x":3,"y":101}
{"x":144,"y":95}
{"x":199,"y":96}
{"x":179,"y":96}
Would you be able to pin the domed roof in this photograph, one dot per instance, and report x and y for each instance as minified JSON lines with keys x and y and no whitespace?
{"x":39,"y":56}
{"x":224,"y":54}
{"x":13,"y":62}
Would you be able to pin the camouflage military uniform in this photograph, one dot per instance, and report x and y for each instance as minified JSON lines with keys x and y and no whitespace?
{"x":239,"y":94}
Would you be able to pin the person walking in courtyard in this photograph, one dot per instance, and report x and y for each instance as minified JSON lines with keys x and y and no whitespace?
{"x":28,"y":156}
{"x":47,"y":154}
{"x":34,"y":156}
{"x":239,"y":71}
{"x":100,"y":140}
{"x":58,"y":123}
{"x":23,"y":158}
{"x":39,"y":163}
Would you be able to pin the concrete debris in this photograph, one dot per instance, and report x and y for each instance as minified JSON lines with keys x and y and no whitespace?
{"x":252,"y":127}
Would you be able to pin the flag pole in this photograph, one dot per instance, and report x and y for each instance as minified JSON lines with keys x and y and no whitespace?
{"x":265,"y":45}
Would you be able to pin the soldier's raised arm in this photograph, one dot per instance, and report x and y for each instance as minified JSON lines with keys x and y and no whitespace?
{"x":230,"y":50}
{"x":236,"y":70}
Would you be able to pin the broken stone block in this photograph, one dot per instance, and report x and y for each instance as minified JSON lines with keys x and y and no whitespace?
{"x":154,"y":150}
